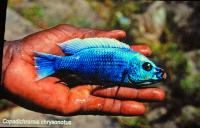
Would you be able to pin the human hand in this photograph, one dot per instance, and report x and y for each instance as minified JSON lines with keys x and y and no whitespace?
{"x":49,"y":96}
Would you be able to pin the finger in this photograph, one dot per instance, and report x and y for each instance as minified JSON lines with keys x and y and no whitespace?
{"x":117,"y":34}
{"x":74,"y":32}
{"x":113,"y":107}
{"x":143,"y":49}
{"x":65,"y":32}
{"x":152,"y":94}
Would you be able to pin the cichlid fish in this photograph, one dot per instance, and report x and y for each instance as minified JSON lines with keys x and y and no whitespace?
{"x":100,"y":61}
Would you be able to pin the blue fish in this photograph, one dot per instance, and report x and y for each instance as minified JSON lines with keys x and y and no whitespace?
{"x":100,"y":61}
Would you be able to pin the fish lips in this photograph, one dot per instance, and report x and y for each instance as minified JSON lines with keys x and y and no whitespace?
{"x":161,"y":74}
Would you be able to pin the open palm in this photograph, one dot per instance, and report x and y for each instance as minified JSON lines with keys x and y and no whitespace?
{"x":49,"y":96}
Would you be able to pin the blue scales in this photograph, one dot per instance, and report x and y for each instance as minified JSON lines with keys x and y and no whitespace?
{"x":100,"y":61}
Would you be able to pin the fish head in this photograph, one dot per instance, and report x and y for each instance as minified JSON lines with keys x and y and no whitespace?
{"x":144,"y":71}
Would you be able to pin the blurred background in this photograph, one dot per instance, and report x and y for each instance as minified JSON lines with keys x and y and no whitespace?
{"x":171,"y":29}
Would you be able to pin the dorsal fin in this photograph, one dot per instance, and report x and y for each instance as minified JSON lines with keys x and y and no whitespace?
{"x":75,"y":45}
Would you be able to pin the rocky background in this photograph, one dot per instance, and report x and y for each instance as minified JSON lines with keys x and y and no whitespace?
{"x":171,"y":29}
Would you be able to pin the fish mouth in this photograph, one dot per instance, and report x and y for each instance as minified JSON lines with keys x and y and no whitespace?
{"x":160,"y":74}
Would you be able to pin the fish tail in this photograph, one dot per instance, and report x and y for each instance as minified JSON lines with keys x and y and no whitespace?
{"x":44,"y":64}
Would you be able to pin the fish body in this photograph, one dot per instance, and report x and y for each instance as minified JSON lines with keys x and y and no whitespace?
{"x":100,"y":61}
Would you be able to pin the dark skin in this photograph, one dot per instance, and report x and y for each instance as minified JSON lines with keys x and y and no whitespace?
{"x":49,"y":96}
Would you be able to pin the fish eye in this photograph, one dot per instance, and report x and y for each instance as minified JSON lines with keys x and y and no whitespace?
{"x":147,"y":66}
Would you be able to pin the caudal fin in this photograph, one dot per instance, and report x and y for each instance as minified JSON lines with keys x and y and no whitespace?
{"x":44,"y":64}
